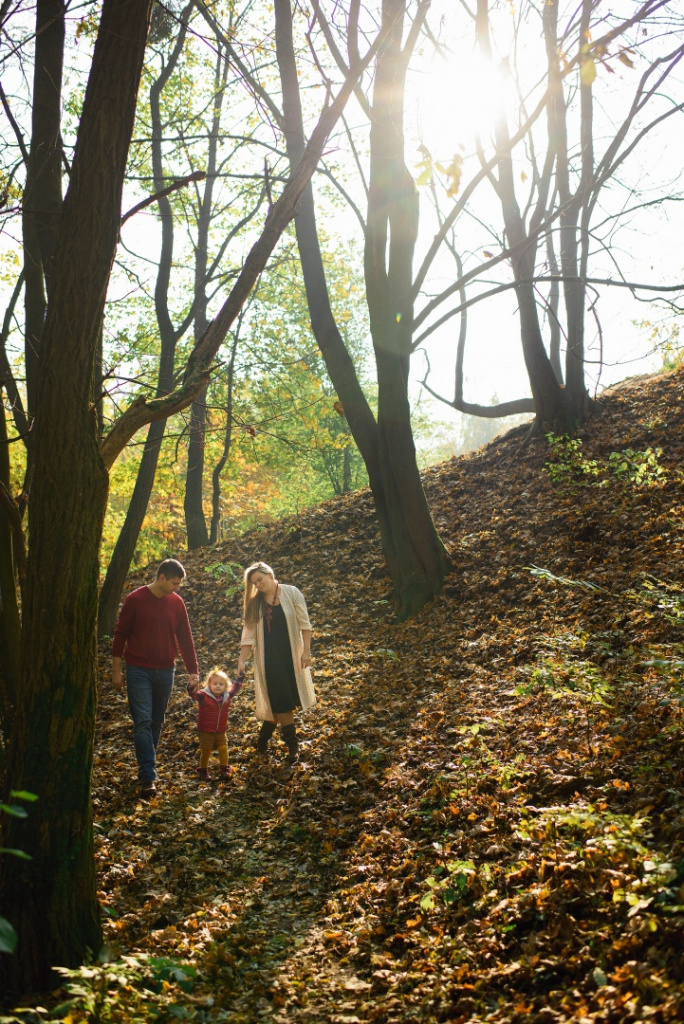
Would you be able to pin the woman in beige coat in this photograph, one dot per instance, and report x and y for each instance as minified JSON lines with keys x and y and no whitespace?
{"x":278,"y":632}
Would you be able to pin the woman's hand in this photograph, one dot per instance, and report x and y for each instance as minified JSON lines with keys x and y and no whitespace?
{"x":306,"y":659}
{"x":245,"y":655}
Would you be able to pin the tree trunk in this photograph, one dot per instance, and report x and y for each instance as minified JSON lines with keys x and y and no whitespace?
{"x":10,"y":623}
{"x":42,"y":201}
{"x":578,"y":243}
{"x":413,"y":549}
{"x":414,"y":554}
{"x":227,"y":441}
{"x":573,"y":288}
{"x":195,"y":523}
{"x":549,"y":399}
{"x":51,"y":899}
{"x":554,"y":301}
{"x":346,"y":471}
{"x":120,"y":562}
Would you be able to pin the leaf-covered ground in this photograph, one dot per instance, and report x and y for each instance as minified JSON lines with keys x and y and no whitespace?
{"x":488,"y":821}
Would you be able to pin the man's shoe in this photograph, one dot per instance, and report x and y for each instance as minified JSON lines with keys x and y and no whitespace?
{"x":148,"y":790}
{"x":203,"y":774}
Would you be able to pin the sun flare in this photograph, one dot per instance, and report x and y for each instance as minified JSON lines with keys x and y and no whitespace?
{"x":457,"y":101}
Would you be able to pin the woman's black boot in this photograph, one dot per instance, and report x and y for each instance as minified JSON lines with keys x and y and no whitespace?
{"x":265,"y":733}
{"x":290,"y":737}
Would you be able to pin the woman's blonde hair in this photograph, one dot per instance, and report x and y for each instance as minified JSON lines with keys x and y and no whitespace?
{"x":254,"y":600}
{"x":220,"y":674}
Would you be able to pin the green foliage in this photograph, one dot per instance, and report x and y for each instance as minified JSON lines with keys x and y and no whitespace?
{"x":562,"y":678}
{"x":640,"y":469}
{"x":570,"y":470}
{"x":665,"y":336}
{"x":667,"y":598}
{"x":568,"y":467}
{"x":8,"y":936}
{"x":599,"y":835}
{"x":385,"y":653}
{"x":126,"y":991}
{"x":563,"y":581}
{"x":229,"y":573}
{"x":449,"y":882}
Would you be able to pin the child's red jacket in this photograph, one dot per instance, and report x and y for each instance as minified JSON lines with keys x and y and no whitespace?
{"x":212,"y":713}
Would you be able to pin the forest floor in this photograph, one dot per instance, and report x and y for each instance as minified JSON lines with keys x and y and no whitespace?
{"x":488,"y":820}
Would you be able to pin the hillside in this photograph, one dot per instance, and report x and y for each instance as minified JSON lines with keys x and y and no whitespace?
{"x":488,"y":823}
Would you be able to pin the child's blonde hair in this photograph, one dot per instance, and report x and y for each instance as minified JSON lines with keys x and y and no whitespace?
{"x":218,"y":674}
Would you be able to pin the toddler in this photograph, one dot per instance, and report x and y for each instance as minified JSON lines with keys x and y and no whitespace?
{"x":212,"y":717}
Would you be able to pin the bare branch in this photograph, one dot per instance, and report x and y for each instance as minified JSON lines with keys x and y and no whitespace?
{"x":173,"y":187}
{"x":15,"y":127}
{"x":607,"y":281}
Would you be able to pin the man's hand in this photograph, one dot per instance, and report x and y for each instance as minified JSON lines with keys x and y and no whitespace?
{"x":193,"y":683}
{"x":117,"y":679}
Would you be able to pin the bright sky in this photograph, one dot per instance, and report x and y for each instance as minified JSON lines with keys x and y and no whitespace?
{"x":455,"y":97}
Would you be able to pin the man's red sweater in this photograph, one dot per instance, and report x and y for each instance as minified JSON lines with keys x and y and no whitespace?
{"x":151,"y":630}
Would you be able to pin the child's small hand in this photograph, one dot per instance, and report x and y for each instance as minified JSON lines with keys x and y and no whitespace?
{"x":237,"y":685}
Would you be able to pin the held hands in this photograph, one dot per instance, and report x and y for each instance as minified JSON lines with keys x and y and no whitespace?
{"x":193,"y":683}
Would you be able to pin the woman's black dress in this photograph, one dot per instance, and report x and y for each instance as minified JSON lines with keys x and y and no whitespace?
{"x":281,"y":681}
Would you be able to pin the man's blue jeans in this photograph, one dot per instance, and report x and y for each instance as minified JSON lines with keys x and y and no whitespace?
{"x":149,"y":690}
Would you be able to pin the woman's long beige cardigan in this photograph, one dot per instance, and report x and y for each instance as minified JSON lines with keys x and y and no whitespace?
{"x":297,"y":618}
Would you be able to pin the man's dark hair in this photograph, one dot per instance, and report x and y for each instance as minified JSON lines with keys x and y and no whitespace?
{"x":171,"y":569}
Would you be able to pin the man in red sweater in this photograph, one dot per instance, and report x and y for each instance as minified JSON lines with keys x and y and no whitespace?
{"x":152,"y":626}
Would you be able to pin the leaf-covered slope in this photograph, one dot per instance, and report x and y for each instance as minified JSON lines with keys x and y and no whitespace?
{"x":488,"y":820}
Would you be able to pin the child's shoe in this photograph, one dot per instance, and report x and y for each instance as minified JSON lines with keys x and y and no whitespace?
{"x":224,"y":771}
{"x":203,"y":774}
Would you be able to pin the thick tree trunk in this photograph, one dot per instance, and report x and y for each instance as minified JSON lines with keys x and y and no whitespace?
{"x":413,"y":550}
{"x":415,"y":556}
{"x":51,"y":899}
{"x":42,"y":201}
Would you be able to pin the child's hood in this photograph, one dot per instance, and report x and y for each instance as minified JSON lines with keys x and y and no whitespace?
{"x":220,"y":699}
